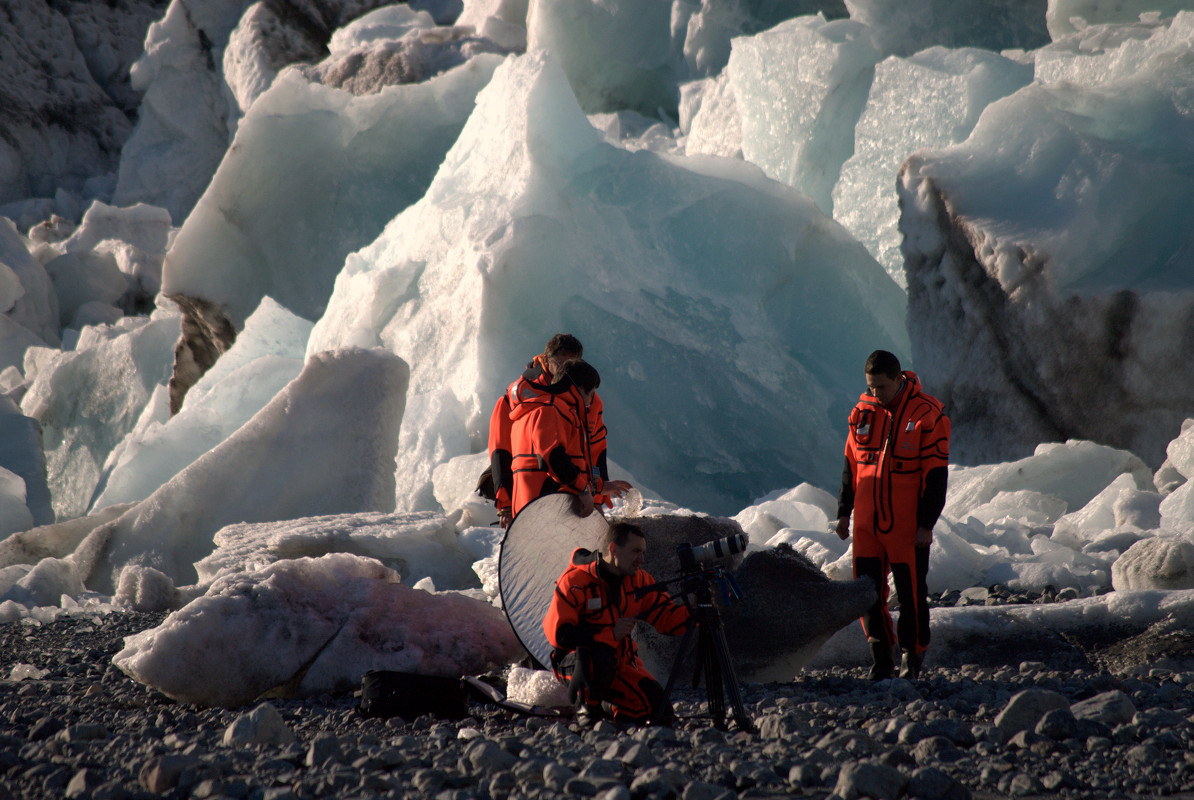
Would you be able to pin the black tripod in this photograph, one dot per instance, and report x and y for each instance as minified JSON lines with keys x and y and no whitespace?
{"x":713,"y":654}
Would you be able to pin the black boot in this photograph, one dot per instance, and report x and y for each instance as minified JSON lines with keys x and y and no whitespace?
{"x":912,"y":662}
{"x":884,"y":666}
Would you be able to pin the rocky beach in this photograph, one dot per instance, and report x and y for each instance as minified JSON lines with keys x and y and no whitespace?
{"x":72,"y":725}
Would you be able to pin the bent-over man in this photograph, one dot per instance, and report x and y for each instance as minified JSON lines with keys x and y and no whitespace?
{"x":540,"y":373}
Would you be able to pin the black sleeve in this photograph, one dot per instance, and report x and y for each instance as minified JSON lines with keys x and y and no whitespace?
{"x":572,"y":636}
{"x":603,"y":467}
{"x":845,"y":495}
{"x":562,"y":467}
{"x":932,"y":500}
{"x":501,"y":465}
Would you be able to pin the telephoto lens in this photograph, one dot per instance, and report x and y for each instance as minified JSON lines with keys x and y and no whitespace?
{"x":719,"y":548}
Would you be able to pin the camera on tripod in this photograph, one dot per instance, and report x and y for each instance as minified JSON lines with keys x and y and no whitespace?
{"x":701,"y":567}
{"x":691,"y":558}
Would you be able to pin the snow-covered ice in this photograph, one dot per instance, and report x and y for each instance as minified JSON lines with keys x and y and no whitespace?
{"x":317,"y":624}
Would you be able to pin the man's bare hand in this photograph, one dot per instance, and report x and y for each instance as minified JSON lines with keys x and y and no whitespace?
{"x":843,"y":528}
{"x":924,"y":537}
{"x":505,"y":518}
{"x":617,"y":488}
{"x":623,"y":627}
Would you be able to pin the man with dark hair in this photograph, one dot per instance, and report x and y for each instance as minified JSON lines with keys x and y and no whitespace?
{"x":551,"y":440}
{"x":597,"y":602}
{"x":539,"y":373}
{"x":894,"y":480}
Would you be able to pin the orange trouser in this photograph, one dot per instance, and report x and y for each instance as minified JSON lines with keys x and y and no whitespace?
{"x":874,"y":557}
{"x":626,"y":691}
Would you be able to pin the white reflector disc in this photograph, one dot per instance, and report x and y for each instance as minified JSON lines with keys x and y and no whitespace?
{"x":535,"y":552}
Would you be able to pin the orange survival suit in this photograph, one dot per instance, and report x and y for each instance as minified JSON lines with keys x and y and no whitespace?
{"x":551,"y":446}
{"x":894,"y":480}
{"x":588,"y":600}
{"x":534,"y":380}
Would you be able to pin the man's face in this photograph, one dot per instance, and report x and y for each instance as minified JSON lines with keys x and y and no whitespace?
{"x":882,"y":387}
{"x":626,"y":559}
{"x":554,"y":363}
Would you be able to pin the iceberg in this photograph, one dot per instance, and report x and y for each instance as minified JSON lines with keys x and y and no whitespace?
{"x":716,"y":373}
{"x":1051,"y":249}
{"x":799,"y":89}
{"x":265,"y":357}
{"x":342,"y":412}
{"x":930,"y":99}
{"x":87,"y":399}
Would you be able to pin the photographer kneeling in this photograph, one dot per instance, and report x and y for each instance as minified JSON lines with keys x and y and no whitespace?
{"x":597,"y":603}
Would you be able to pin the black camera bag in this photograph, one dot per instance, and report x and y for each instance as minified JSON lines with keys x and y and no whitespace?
{"x":386,"y":693}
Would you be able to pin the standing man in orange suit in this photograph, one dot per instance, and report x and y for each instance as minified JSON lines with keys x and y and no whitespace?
{"x":894,"y":481}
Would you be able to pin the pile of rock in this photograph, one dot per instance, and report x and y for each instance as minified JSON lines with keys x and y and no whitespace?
{"x":75,"y":727}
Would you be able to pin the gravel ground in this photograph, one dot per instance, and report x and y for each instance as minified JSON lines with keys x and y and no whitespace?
{"x":84,"y":729}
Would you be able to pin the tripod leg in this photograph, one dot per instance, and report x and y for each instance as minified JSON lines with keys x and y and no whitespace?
{"x":713,"y":683}
{"x":671,"y":678}
{"x":722,"y":649}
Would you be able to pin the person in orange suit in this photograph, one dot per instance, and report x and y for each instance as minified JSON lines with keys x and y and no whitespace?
{"x":539,"y":373}
{"x":597,"y":602}
{"x":894,"y":482}
{"x":550,"y":441}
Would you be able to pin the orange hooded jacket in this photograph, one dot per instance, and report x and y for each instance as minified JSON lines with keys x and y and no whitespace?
{"x":550,"y":445}
{"x":583,"y":611}
{"x":501,"y":452}
{"x":889,"y":454}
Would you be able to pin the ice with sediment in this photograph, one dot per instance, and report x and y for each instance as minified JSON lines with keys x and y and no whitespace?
{"x":536,"y":224}
{"x":1068,"y":203}
{"x":616,"y":54}
{"x":313,"y":174}
{"x":325,"y":444}
{"x":930,"y":99}
{"x":266,"y":356}
{"x":955,"y":631}
{"x":87,"y":399}
{"x":310,"y":626}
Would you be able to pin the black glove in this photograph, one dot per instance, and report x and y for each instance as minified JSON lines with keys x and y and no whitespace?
{"x":578,"y":687}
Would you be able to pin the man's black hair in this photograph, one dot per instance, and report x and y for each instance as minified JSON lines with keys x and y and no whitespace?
{"x":882,"y":362}
{"x":563,"y":344}
{"x":620,"y":532}
{"x":580,"y":373}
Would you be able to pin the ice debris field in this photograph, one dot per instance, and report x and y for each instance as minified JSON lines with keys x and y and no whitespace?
{"x":246,"y":373}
